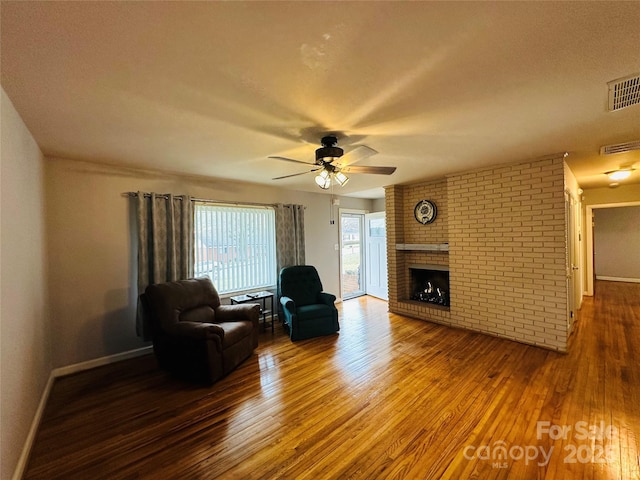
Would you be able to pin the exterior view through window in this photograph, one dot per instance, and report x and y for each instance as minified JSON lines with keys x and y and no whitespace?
{"x":352,"y":250}
{"x":235,"y":246}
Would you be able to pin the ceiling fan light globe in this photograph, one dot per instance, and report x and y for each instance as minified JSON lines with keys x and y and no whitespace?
{"x":323,"y":182}
{"x":341,"y":178}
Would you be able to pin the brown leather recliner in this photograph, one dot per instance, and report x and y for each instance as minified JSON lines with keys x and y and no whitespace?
{"x":194,"y":336}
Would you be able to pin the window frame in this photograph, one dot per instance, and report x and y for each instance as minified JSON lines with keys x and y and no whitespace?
{"x":237,"y":259}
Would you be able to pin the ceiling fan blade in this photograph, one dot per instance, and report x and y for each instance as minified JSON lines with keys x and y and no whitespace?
{"x":295,"y":174}
{"x":365,"y":169}
{"x":359,"y":153}
{"x":291,"y":160}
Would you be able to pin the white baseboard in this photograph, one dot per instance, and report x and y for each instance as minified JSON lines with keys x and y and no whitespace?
{"x":33,"y":430}
{"x":98,"y":362}
{"x":61,"y":372}
{"x":618,"y":279}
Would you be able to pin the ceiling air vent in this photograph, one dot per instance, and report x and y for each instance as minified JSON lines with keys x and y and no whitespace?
{"x":620,"y":147}
{"x":624,"y":92}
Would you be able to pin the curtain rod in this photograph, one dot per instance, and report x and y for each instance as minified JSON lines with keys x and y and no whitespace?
{"x":204,"y":200}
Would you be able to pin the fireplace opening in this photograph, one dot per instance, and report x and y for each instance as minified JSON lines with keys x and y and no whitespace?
{"x":430,"y":284}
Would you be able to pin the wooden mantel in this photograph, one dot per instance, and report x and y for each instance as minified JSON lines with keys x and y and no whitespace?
{"x":423,"y":247}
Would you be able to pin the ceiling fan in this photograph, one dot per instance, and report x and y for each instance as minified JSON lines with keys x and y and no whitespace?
{"x":332,"y":163}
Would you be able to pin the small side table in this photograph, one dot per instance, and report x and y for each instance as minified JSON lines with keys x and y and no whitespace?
{"x":261,"y":299}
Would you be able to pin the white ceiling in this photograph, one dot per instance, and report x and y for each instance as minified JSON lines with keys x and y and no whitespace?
{"x":213,"y":88}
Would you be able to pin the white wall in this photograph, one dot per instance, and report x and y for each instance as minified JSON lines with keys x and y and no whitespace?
{"x":92,"y":266}
{"x":378,"y":205}
{"x":617,"y":243}
{"x":25,"y":333}
{"x":607,"y":195}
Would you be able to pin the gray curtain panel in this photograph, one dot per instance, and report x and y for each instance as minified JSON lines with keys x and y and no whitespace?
{"x":165,"y":243}
{"x":289,"y":240}
{"x":289,"y":235}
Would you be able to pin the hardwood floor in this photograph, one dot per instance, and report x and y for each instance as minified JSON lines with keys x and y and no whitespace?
{"x":389,"y":397}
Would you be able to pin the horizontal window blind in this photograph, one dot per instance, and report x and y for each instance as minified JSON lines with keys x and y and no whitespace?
{"x":235,"y":246}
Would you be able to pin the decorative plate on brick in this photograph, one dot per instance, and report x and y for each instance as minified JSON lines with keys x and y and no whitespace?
{"x":425,"y":212}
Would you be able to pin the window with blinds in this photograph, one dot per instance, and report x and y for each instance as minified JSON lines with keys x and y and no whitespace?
{"x":235,"y":246}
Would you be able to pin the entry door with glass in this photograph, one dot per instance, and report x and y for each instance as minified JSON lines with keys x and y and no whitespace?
{"x":352,"y":273}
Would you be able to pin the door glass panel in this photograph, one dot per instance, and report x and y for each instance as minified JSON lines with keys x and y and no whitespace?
{"x":352,"y":275}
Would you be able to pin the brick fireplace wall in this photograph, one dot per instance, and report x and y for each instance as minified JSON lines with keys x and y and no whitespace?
{"x":506,"y":232}
{"x":402,"y":200}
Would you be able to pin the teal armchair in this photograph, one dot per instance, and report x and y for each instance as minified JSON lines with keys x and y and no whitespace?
{"x":308,"y":311}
